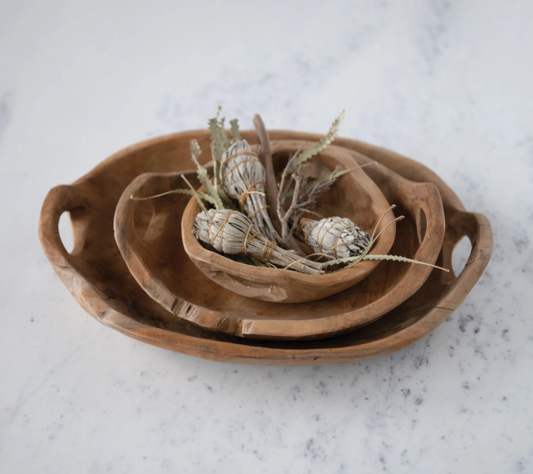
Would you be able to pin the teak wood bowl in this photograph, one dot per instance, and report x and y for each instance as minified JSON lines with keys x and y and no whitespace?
{"x":96,"y":275}
{"x":354,"y":196}
{"x":163,"y":270}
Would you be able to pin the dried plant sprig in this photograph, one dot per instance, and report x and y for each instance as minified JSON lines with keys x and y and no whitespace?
{"x":235,"y":132}
{"x":326,"y":140}
{"x":334,"y":175}
{"x":210,"y":195}
{"x":295,"y":209}
{"x":311,"y":191}
{"x":217,"y":147}
{"x":243,"y":179}
{"x":284,"y":188}
{"x":219,"y":143}
{"x":303,"y":194}
{"x":329,"y":179}
{"x":196,"y":151}
{"x":354,"y":260}
{"x":264,"y":152}
{"x":218,"y":136}
{"x":203,"y":176}
{"x":232,"y":233}
{"x":195,"y":193}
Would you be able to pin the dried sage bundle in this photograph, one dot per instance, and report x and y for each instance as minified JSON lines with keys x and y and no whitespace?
{"x":232,"y":233}
{"x":242,"y":176}
{"x":335,"y":236}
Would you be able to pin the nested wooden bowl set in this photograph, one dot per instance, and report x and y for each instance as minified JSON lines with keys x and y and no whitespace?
{"x":136,"y":266}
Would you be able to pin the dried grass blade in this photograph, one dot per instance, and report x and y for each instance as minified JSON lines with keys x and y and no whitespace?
{"x":188,"y":192}
{"x":402,"y":259}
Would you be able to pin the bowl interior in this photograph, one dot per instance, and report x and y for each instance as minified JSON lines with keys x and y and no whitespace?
{"x":354,"y":196}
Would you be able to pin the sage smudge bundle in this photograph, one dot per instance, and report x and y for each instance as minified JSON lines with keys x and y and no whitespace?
{"x":232,"y":233}
{"x":335,"y":236}
{"x":243,"y":177}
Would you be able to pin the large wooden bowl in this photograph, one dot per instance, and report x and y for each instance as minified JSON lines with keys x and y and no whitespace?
{"x":354,"y":196}
{"x":159,"y":264}
{"x":96,"y":275}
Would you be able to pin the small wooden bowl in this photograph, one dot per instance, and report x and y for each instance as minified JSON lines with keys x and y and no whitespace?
{"x":98,"y":278}
{"x":354,"y":196}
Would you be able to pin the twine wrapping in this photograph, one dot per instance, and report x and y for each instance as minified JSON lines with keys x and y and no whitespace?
{"x":334,"y":236}
{"x":231,"y":232}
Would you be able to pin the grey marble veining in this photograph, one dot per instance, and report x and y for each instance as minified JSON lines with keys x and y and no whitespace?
{"x":445,"y":82}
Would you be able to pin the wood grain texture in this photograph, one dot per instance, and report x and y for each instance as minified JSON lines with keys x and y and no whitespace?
{"x":153,"y":260}
{"x":354,"y":196}
{"x":97,"y":276}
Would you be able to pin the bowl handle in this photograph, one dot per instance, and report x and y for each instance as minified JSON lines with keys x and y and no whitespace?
{"x":60,"y":199}
{"x":477,"y":228}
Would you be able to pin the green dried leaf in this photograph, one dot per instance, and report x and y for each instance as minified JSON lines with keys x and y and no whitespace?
{"x":323,"y":143}
{"x":218,"y":135}
{"x":196,"y":151}
{"x":235,"y":132}
{"x":217,"y":142}
{"x":203,"y":175}
{"x":223,"y":137}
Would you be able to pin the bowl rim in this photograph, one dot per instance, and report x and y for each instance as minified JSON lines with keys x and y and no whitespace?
{"x":197,"y":252}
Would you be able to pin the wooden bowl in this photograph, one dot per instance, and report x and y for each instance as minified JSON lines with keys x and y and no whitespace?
{"x":98,"y":278}
{"x":154,"y":257}
{"x":354,"y":196}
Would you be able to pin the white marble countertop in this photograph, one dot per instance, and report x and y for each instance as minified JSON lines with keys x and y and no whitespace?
{"x":448,"y":83}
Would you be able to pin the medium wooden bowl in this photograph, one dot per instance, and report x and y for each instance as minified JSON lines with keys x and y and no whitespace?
{"x":96,"y":275}
{"x":153,"y":257}
{"x":354,"y":196}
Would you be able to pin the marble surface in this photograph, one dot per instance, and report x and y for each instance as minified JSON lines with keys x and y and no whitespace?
{"x":448,"y":83}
